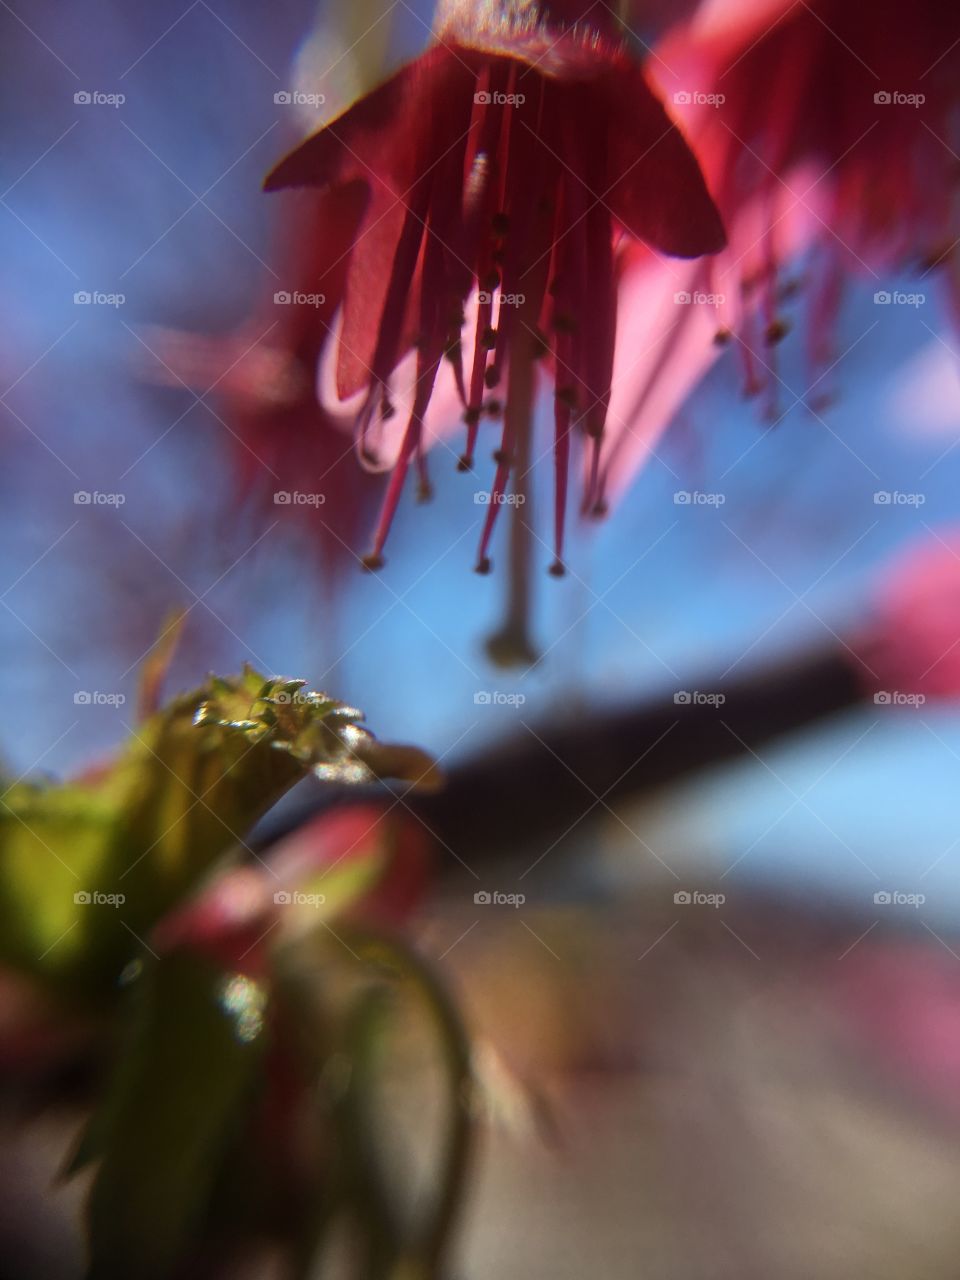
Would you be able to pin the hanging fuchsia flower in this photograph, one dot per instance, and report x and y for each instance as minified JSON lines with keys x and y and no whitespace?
{"x":829,"y":145}
{"x":507,"y":162}
{"x":826,"y":125}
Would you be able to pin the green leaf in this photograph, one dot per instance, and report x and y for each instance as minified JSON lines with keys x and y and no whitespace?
{"x":177,"y":1101}
{"x":87,"y":868}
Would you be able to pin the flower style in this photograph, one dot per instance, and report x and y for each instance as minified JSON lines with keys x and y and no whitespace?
{"x":507,"y":162}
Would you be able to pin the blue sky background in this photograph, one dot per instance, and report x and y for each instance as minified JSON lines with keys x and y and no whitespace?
{"x":659,"y":597}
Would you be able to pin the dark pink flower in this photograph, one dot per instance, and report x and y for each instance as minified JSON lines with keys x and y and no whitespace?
{"x":507,"y":162}
{"x":827,"y":125}
{"x":826,"y":131}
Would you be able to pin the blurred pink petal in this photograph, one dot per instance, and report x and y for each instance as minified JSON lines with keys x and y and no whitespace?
{"x":292,"y":456}
{"x":235,"y":917}
{"x":830,"y":121}
{"x":914,"y":643}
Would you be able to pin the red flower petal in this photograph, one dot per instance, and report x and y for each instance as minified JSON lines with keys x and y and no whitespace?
{"x":656,"y":190}
{"x":381,"y":138}
{"x":389,"y":140}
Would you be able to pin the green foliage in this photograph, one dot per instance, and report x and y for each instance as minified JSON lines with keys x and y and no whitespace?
{"x":89,"y":866}
{"x":193,"y":1052}
{"x":254,"y":1093}
{"x":242,"y":1110}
